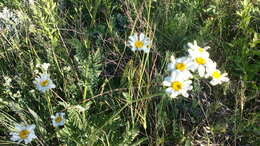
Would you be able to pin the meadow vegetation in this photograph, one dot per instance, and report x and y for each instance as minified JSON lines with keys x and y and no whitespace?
{"x":113,"y":96}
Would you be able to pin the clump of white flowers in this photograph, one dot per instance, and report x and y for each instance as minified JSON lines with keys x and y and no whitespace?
{"x":9,"y":19}
{"x":44,"y":67}
{"x":139,"y":42}
{"x":181,"y":69}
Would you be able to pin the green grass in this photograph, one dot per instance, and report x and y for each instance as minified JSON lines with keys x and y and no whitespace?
{"x":113,"y":96}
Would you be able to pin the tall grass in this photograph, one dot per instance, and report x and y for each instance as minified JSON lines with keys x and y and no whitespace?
{"x":112,"y":96}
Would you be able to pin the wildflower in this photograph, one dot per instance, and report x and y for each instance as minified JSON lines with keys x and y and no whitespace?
{"x":23,"y":133}
{"x":201,"y":61}
{"x":139,"y":43}
{"x":194,"y":48}
{"x":181,"y":65}
{"x":217,"y":77}
{"x":177,"y":85}
{"x":44,"y":83}
{"x":58,"y":119}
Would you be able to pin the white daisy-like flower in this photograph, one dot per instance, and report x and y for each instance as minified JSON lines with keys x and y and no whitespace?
{"x":217,"y":77}
{"x":23,"y":133}
{"x":201,"y":61}
{"x":177,"y":85}
{"x":194,"y":48}
{"x":44,"y":83}
{"x":181,"y":65}
{"x":139,"y":42}
{"x":58,"y":119}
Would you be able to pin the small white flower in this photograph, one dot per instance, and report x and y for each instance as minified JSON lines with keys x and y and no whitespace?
{"x":23,"y":133}
{"x":201,"y":61}
{"x":194,"y":48}
{"x":177,"y":85}
{"x":58,"y":119}
{"x":217,"y":77}
{"x":139,"y":42}
{"x":8,"y":81}
{"x":44,"y":83}
{"x":181,"y":65}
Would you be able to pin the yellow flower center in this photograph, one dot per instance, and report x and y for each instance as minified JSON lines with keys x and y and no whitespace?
{"x":44,"y":83}
{"x":201,"y":50}
{"x":24,"y":134}
{"x":139,"y":44}
{"x":200,"y":60}
{"x":180,"y":66}
{"x":216,"y":74}
{"x":177,"y":85}
{"x":58,"y":119}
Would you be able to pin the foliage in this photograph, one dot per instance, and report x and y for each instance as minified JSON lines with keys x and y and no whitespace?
{"x":112,"y":96}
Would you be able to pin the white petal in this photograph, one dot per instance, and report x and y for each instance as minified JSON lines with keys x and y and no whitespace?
{"x":174,"y":95}
{"x":26,"y":141}
{"x":146,"y":50}
{"x":173,"y":59}
{"x":142,"y":36}
{"x":166,"y":83}
{"x":170,"y":66}
{"x":185,"y":94}
{"x":133,"y":38}
{"x":213,"y":82}
{"x":19,"y":127}
{"x":201,"y":71}
{"x":15,"y":138}
{"x":31,"y":127}
{"x":169,"y":90}
{"x":206,"y":48}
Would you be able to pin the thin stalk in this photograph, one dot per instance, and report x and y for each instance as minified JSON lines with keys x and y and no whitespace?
{"x":49,"y":103}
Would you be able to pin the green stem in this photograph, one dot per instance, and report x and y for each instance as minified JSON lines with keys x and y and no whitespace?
{"x":49,"y":104}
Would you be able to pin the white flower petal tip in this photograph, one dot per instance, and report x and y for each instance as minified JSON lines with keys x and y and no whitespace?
{"x":44,"y":83}
{"x":23,"y":133}
{"x":139,"y":43}
{"x":58,"y":119}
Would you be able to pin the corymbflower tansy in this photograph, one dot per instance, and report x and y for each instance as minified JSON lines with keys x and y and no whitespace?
{"x":23,"y":133}
{"x":44,"y":83}
{"x":139,"y":42}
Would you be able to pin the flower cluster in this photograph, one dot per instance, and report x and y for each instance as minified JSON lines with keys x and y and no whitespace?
{"x":181,"y":69}
{"x":43,"y":83}
{"x":9,"y":19}
{"x":26,"y":132}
